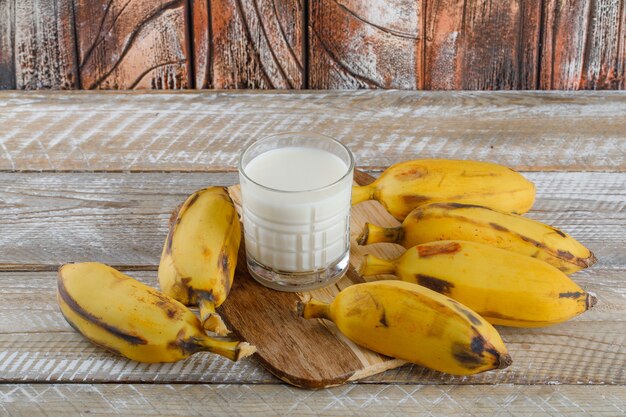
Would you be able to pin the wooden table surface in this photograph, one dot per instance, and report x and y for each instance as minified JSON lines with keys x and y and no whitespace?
{"x":94,"y":176}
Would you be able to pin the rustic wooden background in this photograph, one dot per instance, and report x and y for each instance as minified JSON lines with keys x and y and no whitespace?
{"x":318,"y":44}
{"x":93,"y":176}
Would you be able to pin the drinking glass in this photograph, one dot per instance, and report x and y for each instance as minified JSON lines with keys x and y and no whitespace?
{"x":297,"y":237}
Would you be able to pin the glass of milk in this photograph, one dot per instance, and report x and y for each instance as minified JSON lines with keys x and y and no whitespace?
{"x":296,"y":190}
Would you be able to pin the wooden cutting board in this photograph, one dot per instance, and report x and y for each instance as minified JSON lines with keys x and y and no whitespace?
{"x":307,"y":353}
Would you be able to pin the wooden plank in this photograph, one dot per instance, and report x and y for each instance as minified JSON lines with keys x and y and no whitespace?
{"x":61,"y":217}
{"x":584,"y":45}
{"x":200,"y":131}
{"x":201,"y":43}
{"x":352,"y":400}
{"x":36,"y":344}
{"x":376,"y":44}
{"x":7,"y":37}
{"x":44,"y":50}
{"x":133,"y":44}
{"x":482,"y":45}
{"x":258,"y":44}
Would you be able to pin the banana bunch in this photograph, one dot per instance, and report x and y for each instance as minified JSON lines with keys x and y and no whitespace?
{"x":455,"y":221}
{"x":503,"y":287}
{"x":413,"y":323}
{"x":407,"y":185}
{"x":200,"y":254}
{"x":131,"y":319}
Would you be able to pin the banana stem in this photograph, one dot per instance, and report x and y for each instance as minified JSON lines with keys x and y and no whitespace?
{"x":375,"y":266}
{"x":362,"y":193}
{"x":313,"y":309}
{"x":376,"y":234}
{"x":231,"y":349}
{"x":211,"y":321}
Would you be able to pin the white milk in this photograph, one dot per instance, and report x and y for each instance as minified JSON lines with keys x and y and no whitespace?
{"x":300,"y":221}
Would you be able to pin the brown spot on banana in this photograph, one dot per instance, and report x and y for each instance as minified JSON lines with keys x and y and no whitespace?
{"x":224,"y":266}
{"x":471,"y":317}
{"x":133,"y":339}
{"x":414,"y":200}
{"x":452,"y":205}
{"x":465,"y":355}
{"x":479,"y":174}
{"x":174,"y":215}
{"x":192,"y":200}
{"x":411,"y":174}
{"x":433,"y":249}
{"x":495,"y":315}
{"x":383,"y":319}
{"x":203,"y":295}
{"x":187,"y":346}
{"x":168,"y":242}
{"x":558,"y":232}
{"x":435,"y":284}
{"x":498,"y":227}
{"x":565,"y":255}
{"x":533,"y":242}
{"x":478,"y":344}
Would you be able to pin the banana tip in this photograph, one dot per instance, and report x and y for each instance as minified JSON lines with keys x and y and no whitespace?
{"x":505,"y":361}
{"x":362,"y":239}
{"x":214,"y":323}
{"x":590,"y":260}
{"x":245,"y":349}
{"x":363,"y":267}
{"x":300,"y":309}
{"x":591,"y":300}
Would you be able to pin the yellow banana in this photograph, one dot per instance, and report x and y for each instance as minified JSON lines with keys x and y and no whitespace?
{"x":504,"y":287}
{"x":413,"y":323}
{"x":200,"y":254}
{"x":455,"y":221}
{"x":131,"y":319}
{"x":407,"y":185}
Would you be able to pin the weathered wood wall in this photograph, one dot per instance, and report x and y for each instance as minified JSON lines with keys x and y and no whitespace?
{"x":321,"y":44}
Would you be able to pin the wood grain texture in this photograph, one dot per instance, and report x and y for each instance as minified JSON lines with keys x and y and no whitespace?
{"x":482,"y":45}
{"x":201,"y":45}
{"x":55,"y":400}
{"x":61,"y":217}
{"x":36,"y":344}
{"x":258,"y":43}
{"x":72,"y":217}
{"x":200,"y":131}
{"x":37,"y":45}
{"x":584,"y":45}
{"x":128,"y":44}
{"x":7,"y":37}
{"x":375,"y":44}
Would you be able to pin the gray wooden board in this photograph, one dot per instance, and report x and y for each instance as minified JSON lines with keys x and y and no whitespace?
{"x":206,"y":130}
{"x":58,"y":400}
{"x":36,"y":344}
{"x":121,"y":218}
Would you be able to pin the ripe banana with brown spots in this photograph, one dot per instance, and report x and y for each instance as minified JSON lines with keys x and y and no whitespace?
{"x":407,"y":185}
{"x":455,"y":221}
{"x":132,"y":319}
{"x":200,"y":254}
{"x":410,"y":322}
{"x":503,"y":287}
